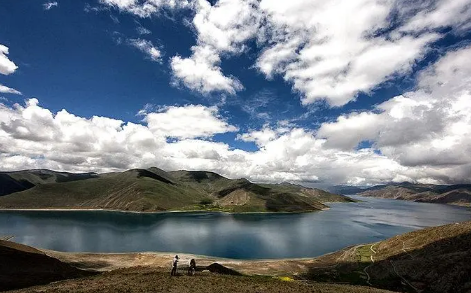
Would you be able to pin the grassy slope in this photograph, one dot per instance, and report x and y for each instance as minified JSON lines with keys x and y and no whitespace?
{"x":133,"y":190}
{"x":431,"y":260}
{"x":156,"y":190}
{"x":318,"y":194}
{"x":17,"y":181}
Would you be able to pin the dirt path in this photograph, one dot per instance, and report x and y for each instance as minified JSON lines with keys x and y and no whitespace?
{"x":402,"y":278}
{"x":397,"y":273}
{"x":372,"y":263}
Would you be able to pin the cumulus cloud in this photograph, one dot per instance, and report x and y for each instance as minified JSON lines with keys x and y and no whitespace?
{"x":188,"y":122}
{"x":429,"y":127}
{"x":327,"y":50}
{"x":50,"y":5}
{"x":201,"y":72}
{"x":145,"y":46}
{"x":7,"y":90}
{"x":6,"y":65}
{"x":331,"y":50}
{"x":145,"y":8}
{"x":34,"y":137}
{"x":222,"y":29}
{"x":422,"y":136}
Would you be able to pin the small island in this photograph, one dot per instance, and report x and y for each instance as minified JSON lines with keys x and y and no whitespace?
{"x":155,"y":190}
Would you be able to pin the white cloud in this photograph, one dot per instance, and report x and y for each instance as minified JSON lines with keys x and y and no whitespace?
{"x":145,"y":8}
{"x":188,"y":122}
{"x":439,"y":14}
{"x":145,"y":46}
{"x":226,"y":25}
{"x":7,"y":90}
{"x":34,"y":137}
{"x":50,"y":5}
{"x":201,"y":72}
{"x":222,"y":29}
{"x":143,"y":31}
{"x":428,"y":128}
{"x":326,"y":50}
{"x":331,"y":50}
{"x":6,"y":65}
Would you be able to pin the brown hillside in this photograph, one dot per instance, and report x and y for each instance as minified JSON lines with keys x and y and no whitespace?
{"x":23,"y":266}
{"x":430,"y":260}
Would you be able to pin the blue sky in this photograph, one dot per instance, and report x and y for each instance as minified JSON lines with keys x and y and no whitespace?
{"x":306,"y":91}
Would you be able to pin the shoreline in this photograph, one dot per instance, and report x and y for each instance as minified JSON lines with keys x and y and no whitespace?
{"x":155,"y":212}
{"x":105,"y":262}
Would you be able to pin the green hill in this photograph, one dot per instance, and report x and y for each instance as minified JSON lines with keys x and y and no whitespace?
{"x":16,"y":181}
{"x":156,"y":190}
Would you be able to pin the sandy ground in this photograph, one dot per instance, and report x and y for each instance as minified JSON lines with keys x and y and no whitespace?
{"x":103,"y":262}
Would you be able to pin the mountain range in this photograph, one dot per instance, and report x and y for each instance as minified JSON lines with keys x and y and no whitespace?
{"x":458,"y":194}
{"x":153,"y":189}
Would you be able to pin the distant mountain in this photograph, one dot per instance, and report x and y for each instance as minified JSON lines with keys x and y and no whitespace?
{"x":347,"y":189}
{"x":15,"y":181}
{"x":156,"y":190}
{"x":446,"y":194}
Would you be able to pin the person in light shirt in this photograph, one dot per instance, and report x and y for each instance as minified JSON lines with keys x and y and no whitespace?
{"x":174,"y":266}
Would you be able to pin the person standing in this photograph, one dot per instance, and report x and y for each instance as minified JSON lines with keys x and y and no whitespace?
{"x":174,"y":266}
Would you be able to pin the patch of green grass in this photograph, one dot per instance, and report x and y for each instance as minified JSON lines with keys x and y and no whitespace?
{"x":206,"y":201}
{"x":364,"y":253}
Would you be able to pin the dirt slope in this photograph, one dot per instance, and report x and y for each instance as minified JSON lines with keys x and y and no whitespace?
{"x":430,"y":260}
{"x":23,"y":266}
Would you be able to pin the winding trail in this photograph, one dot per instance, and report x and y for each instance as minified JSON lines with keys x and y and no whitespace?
{"x":372,"y":263}
{"x":397,"y":273}
{"x":340,"y":258}
{"x":402,"y":278}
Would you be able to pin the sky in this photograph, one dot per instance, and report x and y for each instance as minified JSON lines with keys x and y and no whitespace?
{"x":314,"y":92}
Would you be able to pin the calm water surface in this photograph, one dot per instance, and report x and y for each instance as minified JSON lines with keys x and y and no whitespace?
{"x":234,"y":236}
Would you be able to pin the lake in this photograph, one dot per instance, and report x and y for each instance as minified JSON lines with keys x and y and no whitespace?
{"x":243,"y":236}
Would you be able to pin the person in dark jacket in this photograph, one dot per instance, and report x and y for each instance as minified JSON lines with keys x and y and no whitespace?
{"x":192,"y":267}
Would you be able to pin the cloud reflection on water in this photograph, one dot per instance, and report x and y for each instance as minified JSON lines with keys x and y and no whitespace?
{"x":223,"y":235}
